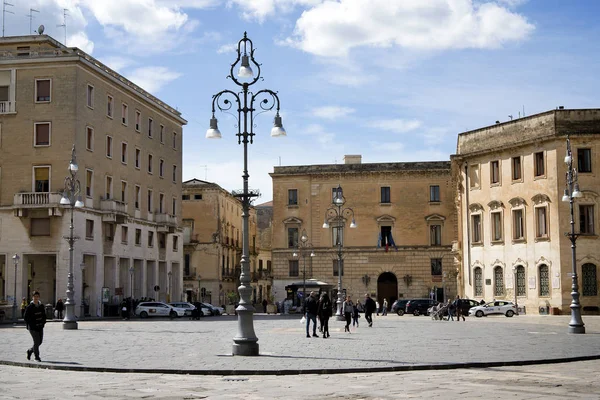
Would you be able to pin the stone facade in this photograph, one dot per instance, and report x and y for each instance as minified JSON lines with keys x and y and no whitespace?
{"x":51,"y":99}
{"x":512,"y":222}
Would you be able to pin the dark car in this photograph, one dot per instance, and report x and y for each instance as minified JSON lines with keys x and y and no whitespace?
{"x":399,"y":306}
{"x":465,"y":305}
{"x":419,"y":306}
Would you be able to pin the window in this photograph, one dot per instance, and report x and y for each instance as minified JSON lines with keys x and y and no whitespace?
{"x":89,"y":180}
{"x":174,"y":140}
{"x":89,"y":138}
{"x":161,"y":203}
{"x":337,"y":233}
{"x":434,"y":194}
{"x":41,"y":134}
{"x":124,"y":234}
{"x":149,"y":163}
{"x":478,"y":282}
{"x":150,"y":127}
{"x":517,"y":174}
{"x":175,"y":243}
{"x":138,"y":191}
{"x":124,"y":152}
{"x":109,"y":150}
{"x":138,"y":120}
{"x":496,"y":218}
{"x":498,"y":282}
{"x":149,"y":200}
{"x":174,"y":206}
{"x":544,"y":280}
{"x":161,"y":134}
{"x":539,"y":165}
{"x":386,"y":236}
{"x":40,"y":227}
{"x":337,"y":266}
{"x":518,"y":224}
{"x":123,"y":191}
{"x":109,"y":187}
{"x":476,"y":228}
{"x":138,"y":237}
{"x":174,"y":173}
{"x":495,"y":172}
{"x":292,"y":237}
{"x":185,"y":197}
{"x":109,"y":106}
{"x":521,"y":289}
{"x":124,"y":114}
{"x":138,"y":156}
{"x":109,"y":232}
{"x":161,"y":168}
{"x":385,"y":195}
{"x":584,"y":160}
{"x":474,"y":177}
{"x":586,"y":219}
{"x":42,"y":90}
{"x":589,"y":280}
{"x":150,"y":239}
{"x":435,"y":235}
{"x":436,"y":266}
{"x":541,"y":222}
{"x":292,"y":197}
{"x":293,"y":268}
{"x":42,"y":179}
{"x":89,"y":229}
{"x":162,"y":241}
{"x":197,"y":197}
{"x":90,"y":96}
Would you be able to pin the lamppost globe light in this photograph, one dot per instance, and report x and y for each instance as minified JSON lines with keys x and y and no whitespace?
{"x":213,"y":132}
{"x":565,"y":197}
{"x":568,"y":159}
{"x":79,"y":203}
{"x":73,"y":167}
{"x":325,"y":224}
{"x":294,"y":254}
{"x":353,"y":224}
{"x":245,"y":70}
{"x":277,"y":129}
{"x":576,"y":192}
{"x":65,"y":200}
{"x":312,"y":253}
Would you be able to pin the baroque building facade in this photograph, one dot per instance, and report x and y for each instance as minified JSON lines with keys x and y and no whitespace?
{"x":512,"y":222}
{"x":402,"y":246}
{"x":128,"y":149}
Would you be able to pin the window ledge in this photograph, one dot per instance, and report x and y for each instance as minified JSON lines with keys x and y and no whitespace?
{"x":542,"y":239}
{"x":497,"y":242}
{"x":518,"y":241}
{"x":517,"y":181}
{"x":435,"y":203}
{"x":385,"y":204}
{"x":588,"y":235}
{"x":293,"y":206}
{"x":539,"y":177}
{"x":496,"y":184}
{"x":476,"y":244}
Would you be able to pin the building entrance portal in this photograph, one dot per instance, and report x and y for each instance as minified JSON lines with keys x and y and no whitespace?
{"x":387,"y":288}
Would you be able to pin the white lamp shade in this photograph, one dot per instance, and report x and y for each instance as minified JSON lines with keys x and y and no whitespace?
{"x":79,"y":203}
{"x":245,"y":71}
{"x":566,"y":196}
{"x":73,"y":167}
{"x":568,"y":159}
{"x":213,"y":131}
{"x":277,"y":129}
{"x":353,"y":223}
{"x":576,"y":192}
{"x":326,"y":225}
{"x":65,"y":200}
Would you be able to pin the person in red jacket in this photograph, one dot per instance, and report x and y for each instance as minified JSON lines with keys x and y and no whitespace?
{"x":35,"y":318}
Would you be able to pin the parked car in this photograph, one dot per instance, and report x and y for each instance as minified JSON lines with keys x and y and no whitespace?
{"x":214,"y":309}
{"x":158,"y":309}
{"x":204,"y":310}
{"x":418,"y":307}
{"x":188,"y":307}
{"x":465,"y":305}
{"x":494,"y":307}
{"x":399,"y":306}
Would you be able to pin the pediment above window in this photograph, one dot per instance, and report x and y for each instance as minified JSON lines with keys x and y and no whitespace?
{"x":589,"y":195}
{"x":385,"y":218}
{"x":434,"y":218}
{"x":540,"y":198}
{"x":475,"y":207}
{"x":495,"y":205}
{"x":517,"y":202}
{"x":292,"y":220}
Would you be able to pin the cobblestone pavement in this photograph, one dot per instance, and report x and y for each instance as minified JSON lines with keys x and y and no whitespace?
{"x":204,"y":347}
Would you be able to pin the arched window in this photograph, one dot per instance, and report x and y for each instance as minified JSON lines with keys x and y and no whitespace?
{"x":589,"y":280}
{"x":544,"y":280}
{"x":478,"y":282}
{"x":498,"y":282}
{"x":521,"y":290}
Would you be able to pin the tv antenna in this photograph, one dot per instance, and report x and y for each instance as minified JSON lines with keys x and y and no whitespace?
{"x":4,"y":11}
{"x":205,"y":172}
{"x":64,"y":24}
{"x":30,"y":15}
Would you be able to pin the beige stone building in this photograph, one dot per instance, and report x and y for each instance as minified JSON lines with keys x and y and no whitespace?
{"x":128,"y":148}
{"x":212,"y":219}
{"x":402,"y":246}
{"x":262,"y":278}
{"x":511,"y":178}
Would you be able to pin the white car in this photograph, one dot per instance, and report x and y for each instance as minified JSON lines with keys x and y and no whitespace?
{"x":188,"y":307}
{"x":494,"y":307}
{"x":157,"y":309}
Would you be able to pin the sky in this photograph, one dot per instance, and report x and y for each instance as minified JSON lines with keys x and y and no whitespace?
{"x":391,"y":80}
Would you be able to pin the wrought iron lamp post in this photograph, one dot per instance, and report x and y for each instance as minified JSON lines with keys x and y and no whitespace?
{"x":169,"y":289}
{"x":82,"y":307}
{"x":516,"y":286}
{"x":304,"y":247}
{"x":16,"y":259}
{"x":337,"y":213}
{"x":131,"y":270}
{"x":571,"y":192}
{"x":245,"y":342}
{"x":71,"y":198}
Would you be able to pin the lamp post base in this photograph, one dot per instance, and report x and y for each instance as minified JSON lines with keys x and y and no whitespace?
{"x":245,"y":348}
{"x":576,"y":329}
{"x":70,"y":325}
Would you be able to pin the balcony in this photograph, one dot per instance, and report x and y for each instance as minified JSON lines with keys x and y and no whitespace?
{"x":165,"y":222}
{"x":24,"y":202}
{"x":113,"y":211}
{"x":190,"y":240}
{"x":7,"y":107}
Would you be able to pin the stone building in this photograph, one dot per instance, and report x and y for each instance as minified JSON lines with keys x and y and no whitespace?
{"x":262,"y":277}
{"x":402,"y":246}
{"x":512,"y":222}
{"x":212,"y":219}
{"x":128,"y":149}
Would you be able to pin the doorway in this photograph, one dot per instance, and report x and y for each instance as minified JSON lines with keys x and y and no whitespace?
{"x":387,"y":288}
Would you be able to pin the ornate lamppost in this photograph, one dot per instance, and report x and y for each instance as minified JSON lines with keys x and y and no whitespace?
{"x":303,"y":248}
{"x":131,"y":270}
{"x":337,"y":213}
{"x":71,"y":198}
{"x":245,"y":342}
{"x":571,"y":192}
{"x":169,"y":289}
{"x":16,"y":259}
{"x":82,"y":307}
{"x":516,"y":286}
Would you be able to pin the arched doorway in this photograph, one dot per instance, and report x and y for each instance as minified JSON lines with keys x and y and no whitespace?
{"x":387,"y":288}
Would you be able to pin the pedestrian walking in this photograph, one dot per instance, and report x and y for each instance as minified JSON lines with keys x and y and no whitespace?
{"x":35,"y":319}
{"x":59,"y":307}
{"x":355,"y":314}
{"x":264,"y":304}
{"x":385,"y":306}
{"x":310,"y":311}
{"x":458,"y":309}
{"x":23,"y":307}
{"x":377,"y":305}
{"x":324,"y":312}
{"x":370,"y":306}
{"x":348,"y":309}
{"x":450,"y":310}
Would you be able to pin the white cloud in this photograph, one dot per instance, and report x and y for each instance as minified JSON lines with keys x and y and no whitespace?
{"x":118,"y":63}
{"x":396,"y":125}
{"x":80,"y":40}
{"x":227,"y":48}
{"x":261,"y":9}
{"x":332,"y":112}
{"x":333,"y":29}
{"x":152,"y":79}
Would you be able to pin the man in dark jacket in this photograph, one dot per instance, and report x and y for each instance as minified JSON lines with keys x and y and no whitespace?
{"x":369,"y":308}
{"x":311,"y":308}
{"x":35,"y":318}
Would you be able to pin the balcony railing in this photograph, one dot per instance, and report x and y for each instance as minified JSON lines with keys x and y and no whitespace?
{"x":114,"y":211}
{"x":37,"y":199}
{"x":165,"y":219}
{"x":7,"y":107}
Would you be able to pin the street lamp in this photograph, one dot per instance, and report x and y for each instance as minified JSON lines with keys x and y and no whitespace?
{"x":245,"y":342}
{"x":82,"y":308}
{"x":572,"y":191}
{"x":16,"y":259}
{"x":337,"y":213}
{"x":131,"y":270}
{"x":515,"y":285}
{"x":169,"y":274}
{"x":71,"y":198}
{"x":304,"y":247}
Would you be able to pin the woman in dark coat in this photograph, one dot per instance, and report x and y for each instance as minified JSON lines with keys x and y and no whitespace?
{"x":324,"y":313}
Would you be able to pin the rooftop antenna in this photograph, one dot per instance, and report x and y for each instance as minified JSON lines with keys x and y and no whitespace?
{"x":64,"y":24}
{"x":30,"y":15}
{"x":205,"y":172}
{"x":510,"y":116}
{"x":4,"y":11}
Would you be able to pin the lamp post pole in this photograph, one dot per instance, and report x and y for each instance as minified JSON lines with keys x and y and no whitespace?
{"x":16,"y":259}
{"x":72,"y":199}
{"x":245,"y":342}
{"x":303,"y":247}
{"x":131,"y":270}
{"x":169,"y":289}
{"x":515,"y":287}
{"x":82,"y":308}
{"x":571,"y":192}
{"x":336,"y":212}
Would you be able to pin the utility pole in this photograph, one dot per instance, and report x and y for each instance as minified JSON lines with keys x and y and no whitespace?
{"x":4,"y":11}
{"x":30,"y":15}
{"x":64,"y":24}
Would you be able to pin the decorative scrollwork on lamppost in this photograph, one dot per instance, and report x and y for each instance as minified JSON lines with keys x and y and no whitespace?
{"x":245,"y":342}
{"x":337,"y":213}
{"x":304,"y":247}
{"x":366,"y":279}
{"x":71,"y":198}
{"x":407,"y":279}
{"x":571,"y":192}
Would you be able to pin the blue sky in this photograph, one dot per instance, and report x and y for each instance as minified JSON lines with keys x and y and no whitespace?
{"x":392,"y":80}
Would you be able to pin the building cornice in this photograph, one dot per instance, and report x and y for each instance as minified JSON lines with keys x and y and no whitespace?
{"x":327,"y":169}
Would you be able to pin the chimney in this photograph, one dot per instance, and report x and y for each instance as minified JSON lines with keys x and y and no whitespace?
{"x":561,"y":107}
{"x":353,"y":159}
